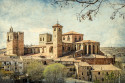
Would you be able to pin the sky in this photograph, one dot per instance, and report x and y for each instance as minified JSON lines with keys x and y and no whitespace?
{"x":34,"y":17}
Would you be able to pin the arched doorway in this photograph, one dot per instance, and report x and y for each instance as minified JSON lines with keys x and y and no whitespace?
{"x":89,"y":49}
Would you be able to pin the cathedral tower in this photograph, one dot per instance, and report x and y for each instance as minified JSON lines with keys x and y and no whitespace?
{"x":57,"y":40}
{"x":15,"y":43}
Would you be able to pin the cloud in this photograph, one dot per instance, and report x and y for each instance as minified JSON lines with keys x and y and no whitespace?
{"x":34,"y":17}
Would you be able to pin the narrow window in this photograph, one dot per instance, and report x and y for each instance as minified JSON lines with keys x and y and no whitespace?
{"x":63,"y":38}
{"x":79,"y":38}
{"x":8,"y":38}
{"x":40,"y":39}
{"x":59,"y":29}
{"x":54,"y":29}
{"x":43,"y":38}
{"x":75,"y":39}
{"x":68,"y":39}
{"x":82,"y":73}
{"x":102,"y":79}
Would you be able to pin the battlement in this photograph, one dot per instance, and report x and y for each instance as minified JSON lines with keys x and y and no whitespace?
{"x":15,"y":42}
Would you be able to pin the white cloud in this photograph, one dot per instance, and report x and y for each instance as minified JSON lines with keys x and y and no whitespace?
{"x":34,"y":17}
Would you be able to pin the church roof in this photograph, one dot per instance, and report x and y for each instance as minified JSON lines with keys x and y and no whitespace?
{"x":57,"y":25}
{"x":84,"y":41}
{"x":72,"y":33}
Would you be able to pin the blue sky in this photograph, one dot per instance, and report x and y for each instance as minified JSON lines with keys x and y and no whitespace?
{"x":37,"y":16}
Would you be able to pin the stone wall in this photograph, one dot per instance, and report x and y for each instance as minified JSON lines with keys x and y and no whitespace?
{"x":97,"y":61}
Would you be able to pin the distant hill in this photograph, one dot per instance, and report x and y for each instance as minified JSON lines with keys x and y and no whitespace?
{"x":119,"y":52}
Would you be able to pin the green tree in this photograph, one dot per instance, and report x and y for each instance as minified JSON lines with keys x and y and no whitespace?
{"x":55,"y":73}
{"x":110,"y":78}
{"x":34,"y":70}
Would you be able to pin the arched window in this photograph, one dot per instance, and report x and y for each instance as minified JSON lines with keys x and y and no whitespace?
{"x":50,"y":39}
{"x":51,"y":49}
{"x":89,"y":49}
{"x":54,"y":29}
{"x":68,"y":39}
{"x":59,"y":29}
{"x":80,"y":38}
{"x":85,"y":49}
{"x":40,"y":39}
{"x":8,"y":38}
{"x":43,"y":38}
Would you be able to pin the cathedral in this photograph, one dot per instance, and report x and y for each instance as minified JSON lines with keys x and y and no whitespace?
{"x":53,"y":46}
{"x":89,"y":62}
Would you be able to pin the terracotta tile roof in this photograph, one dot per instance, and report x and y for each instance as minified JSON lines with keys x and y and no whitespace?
{"x":56,"y":25}
{"x":84,"y":64}
{"x":84,"y":41}
{"x":104,"y":67}
{"x":71,"y":33}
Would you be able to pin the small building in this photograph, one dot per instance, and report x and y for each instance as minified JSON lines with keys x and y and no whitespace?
{"x":11,"y":65}
{"x":93,"y":73}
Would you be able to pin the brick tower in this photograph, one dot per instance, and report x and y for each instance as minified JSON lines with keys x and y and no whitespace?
{"x":15,"y":43}
{"x":57,"y":40}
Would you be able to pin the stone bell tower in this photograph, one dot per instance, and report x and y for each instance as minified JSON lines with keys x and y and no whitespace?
{"x":15,"y":43}
{"x":57,"y":40}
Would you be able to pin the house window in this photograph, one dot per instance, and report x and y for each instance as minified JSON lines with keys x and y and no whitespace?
{"x":102,"y":79}
{"x":63,"y":38}
{"x":82,"y":73}
{"x":98,"y":73}
{"x":75,"y":39}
